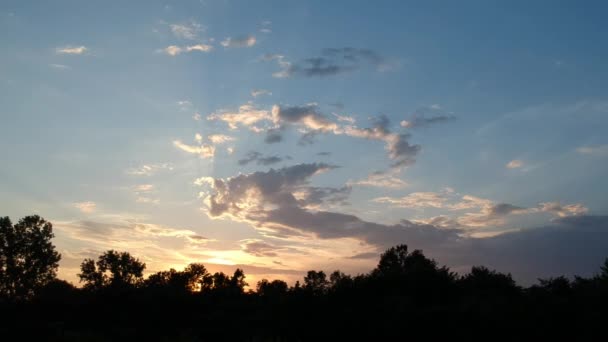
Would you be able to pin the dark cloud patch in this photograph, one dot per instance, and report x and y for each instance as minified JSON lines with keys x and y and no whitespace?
{"x":319,"y":195}
{"x":573,"y":245}
{"x":324,"y":154}
{"x":331,"y":61}
{"x":502,"y":209}
{"x":259,"y":158}
{"x":370,"y":255}
{"x":273,"y":136}
{"x":259,"y":248}
{"x":426,"y":116}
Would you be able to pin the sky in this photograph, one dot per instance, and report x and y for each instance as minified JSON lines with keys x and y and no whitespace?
{"x":284,"y":136}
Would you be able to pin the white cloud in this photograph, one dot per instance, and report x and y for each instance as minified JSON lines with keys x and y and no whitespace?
{"x":219,"y":138}
{"x":143,"y":188}
{"x":259,"y":92}
{"x":203,"y":151}
{"x":247,"y":115}
{"x":515,"y":164}
{"x":199,"y":47}
{"x":381,"y":180}
{"x":197,"y":116}
{"x":188,"y":30}
{"x":149,"y":169}
{"x":86,"y":207}
{"x":593,"y":150}
{"x":174,"y":50}
{"x":415,"y":200}
{"x":563,"y":210}
{"x":71,"y":50}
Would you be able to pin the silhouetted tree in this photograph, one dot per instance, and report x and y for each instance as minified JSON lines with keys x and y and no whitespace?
{"x":481,"y":280}
{"x":316,"y":282}
{"x":272,"y":289}
{"x":28,"y":259}
{"x":112,"y":269}
{"x":221,"y":283}
{"x":188,"y":280}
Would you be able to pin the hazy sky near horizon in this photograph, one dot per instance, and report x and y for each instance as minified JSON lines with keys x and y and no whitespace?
{"x":283,"y":136}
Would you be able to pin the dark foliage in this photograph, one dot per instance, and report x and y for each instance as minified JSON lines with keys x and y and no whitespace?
{"x":28,"y":260}
{"x":407,"y":296}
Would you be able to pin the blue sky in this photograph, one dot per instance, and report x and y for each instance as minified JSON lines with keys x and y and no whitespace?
{"x":473,"y":130}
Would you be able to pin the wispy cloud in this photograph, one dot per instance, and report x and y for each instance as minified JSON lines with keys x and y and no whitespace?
{"x":203,"y":151}
{"x":593,"y":150}
{"x":381,"y":180}
{"x":188,"y":30}
{"x":149,"y":169}
{"x":239,"y":42}
{"x":60,"y":66}
{"x":332,"y":61}
{"x":174,"y":50}
{"x":259,"y":158}
{"x":426,"y":116}
{"x":86,"y":207}
{"x":71,"y":50}
{"x":260,"y":92}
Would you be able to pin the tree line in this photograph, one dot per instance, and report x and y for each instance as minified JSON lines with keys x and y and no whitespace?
{"x":404,"y":295}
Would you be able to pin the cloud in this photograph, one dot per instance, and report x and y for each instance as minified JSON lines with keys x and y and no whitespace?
{"x":381,"y":180}
{"x":284,"y":65}
{"x":239,"y":42}
{"x":426,"y":116}
{"x":259,"y":159}
{"x":259,"y":248}
{"x":149,"y":169}
{"x":174,"y":50}
{"x":567,"y":246}
{"x":266,"y":27}
{"x":344,"y":118}
{"x":415,"y":200}
{"x":86,"y":207}
{"x":147,"y":200}
{"x":515,"y":164}
{"x":71,"y":50}
{"x":399,"y":149}
{"x":324,"y":154}
{"x":220,"y":138}
{"x":563,"y":210}
{"x":247,"y":116}
{"x":187,"y":30}
{"x":272,"y":202}
{"x":487,"y":214}
{"x":593,"y":150}
{"x":60,"y":66}
{"x":308,"y":116}
{"x":143,"y":188}
{"x":332,"y":61}
{"x":260,"y":92}
{"x":203,"y":151}
{"x":273,"y":136}
{"x":311,"y":122}
{"x":197,"y":116}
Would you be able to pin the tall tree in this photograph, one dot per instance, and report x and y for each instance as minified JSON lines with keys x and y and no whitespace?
{"x":112,"y":269}
{"x":28,"y":259}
